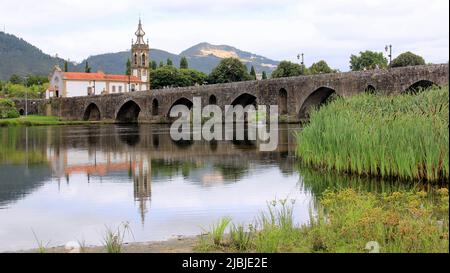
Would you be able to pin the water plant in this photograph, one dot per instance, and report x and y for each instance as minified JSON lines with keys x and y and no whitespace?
{"x":349,"y":220}
{"x":404,"y":136}
{"x":42,"y":248}
{"x":218,"y":229}
{"x":240,"y":238}
{"x":113,"y":240}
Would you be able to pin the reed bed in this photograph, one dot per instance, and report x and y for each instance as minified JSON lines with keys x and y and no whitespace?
{"x":404,"y":136}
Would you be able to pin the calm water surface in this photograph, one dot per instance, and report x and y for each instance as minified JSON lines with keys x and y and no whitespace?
{"x":68,"y":183}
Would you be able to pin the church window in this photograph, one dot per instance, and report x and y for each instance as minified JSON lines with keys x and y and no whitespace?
{"x":135,"y":59}
{"x":143,"y":60}
{"x":120,"y":89}
{"x":114,"y":89}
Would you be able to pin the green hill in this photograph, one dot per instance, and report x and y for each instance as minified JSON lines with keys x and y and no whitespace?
{"x":19,"y":57}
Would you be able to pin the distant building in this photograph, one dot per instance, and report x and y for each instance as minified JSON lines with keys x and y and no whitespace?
{"x":76,"y":84}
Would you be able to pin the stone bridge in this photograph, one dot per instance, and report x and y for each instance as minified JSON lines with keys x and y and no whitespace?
{"x":295,"y":96}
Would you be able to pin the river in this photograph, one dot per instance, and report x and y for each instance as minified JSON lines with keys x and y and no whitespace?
{"x":72,"y":183}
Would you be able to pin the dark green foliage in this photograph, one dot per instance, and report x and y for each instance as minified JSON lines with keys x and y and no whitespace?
{"x":16,"y":79}
{"x":407,"y":59}
{"x":172,"y":77}
{"x":169,"y":62}
{"x":288,"y":69}
{"x":229,"y":70}
{"x":184,"y":63}
{"x":8,"y":109}
{"x":87,"y":68}
{"x":321,"y":67}
{"x":128,"y":68}
{"x":153,"y":65}
{"x":161,"y":64}
{"x":264,"y":75}
{"x":66,"y":66}
{"x":253,"y":73}
{"x":368,"y":60}
{"x":35,"y":80}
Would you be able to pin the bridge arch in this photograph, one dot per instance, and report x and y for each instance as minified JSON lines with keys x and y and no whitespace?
{"x":317,"y":98}
{"x":370,"y":89}
{"x":282,"y":101}
{"x":128,"y":112}
{"x":181,"y":101}
{"x":155,"y":107}
{"x":244,"y":100}
{"x":92,"y":112}
{"x":419,"y":86}
{"x":212,"y":100}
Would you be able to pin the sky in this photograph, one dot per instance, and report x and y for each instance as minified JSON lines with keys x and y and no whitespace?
{"x":331,"y":30}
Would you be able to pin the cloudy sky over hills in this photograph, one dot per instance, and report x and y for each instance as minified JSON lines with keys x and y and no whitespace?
{"x":322,"y":29}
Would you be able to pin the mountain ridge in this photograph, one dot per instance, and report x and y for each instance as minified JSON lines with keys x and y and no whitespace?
{"x":17,"y":56}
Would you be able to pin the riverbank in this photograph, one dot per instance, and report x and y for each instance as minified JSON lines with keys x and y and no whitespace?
{"x":347,"y":221}
{"x":403,"y":137}
{"x":35,"y":120}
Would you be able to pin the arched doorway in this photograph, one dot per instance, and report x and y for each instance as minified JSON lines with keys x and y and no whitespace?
{"x":282,"y":101}
{"x":92,"y":113}
{"x":212,"y":100}
{"x":181,"y":101}
{"x":155,"y":107}
{"x":418,"y":86}
{"x":317,"y":98}
{"x":128,"y":113}
{"x":22,"y":112}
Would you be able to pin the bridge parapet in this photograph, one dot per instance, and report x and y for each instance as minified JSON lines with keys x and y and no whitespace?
{"x":295,"y":96}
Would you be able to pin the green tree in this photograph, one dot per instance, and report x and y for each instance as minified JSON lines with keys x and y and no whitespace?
{"x":184,"y":63}
{"x":321,"y":67}
{"x":16,"y":79}
{"x":264,"y":75}
{"x":229,"y":70}
{"x":407,"y":59}
{"x":128,"y":68}
{"x":87,"y":68}
{"x":253,"y":73}
{"x":161,"y":64}
{"x":66,"y":66}
{"x":35,"y":80}
{"x":288,"y":69}
{"x":169,"y":61}
{"x":153,"y":65}
{"x":368,"y":60}
{"x":170,"y":76}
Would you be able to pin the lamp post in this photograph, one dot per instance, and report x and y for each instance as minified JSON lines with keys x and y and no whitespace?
{"x":388,"y":49}
{"x":302,"y":55}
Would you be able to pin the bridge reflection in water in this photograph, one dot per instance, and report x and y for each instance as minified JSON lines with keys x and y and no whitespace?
{"x":67,"y":183}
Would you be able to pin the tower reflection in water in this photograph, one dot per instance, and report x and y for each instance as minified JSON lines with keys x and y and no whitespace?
{"x":106,"y":157}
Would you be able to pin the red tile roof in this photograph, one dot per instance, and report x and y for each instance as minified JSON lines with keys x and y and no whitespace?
{"x":99,"y":76}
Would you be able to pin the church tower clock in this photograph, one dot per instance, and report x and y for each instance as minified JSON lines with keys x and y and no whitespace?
{"x":140,"y":51}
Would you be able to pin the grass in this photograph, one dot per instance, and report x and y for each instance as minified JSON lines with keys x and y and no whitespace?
{"x":42,"y":248}
{"x":113,"y":240}
{"x":404,"y":137}
{"x":218,"y":230}
{"x":34,"y":120}
{"x":350,"y":221}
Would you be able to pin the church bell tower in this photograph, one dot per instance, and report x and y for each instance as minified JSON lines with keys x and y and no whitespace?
{"x":140,"y":57}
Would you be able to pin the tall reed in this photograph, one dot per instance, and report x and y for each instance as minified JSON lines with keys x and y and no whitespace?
{"x":404,"y":136}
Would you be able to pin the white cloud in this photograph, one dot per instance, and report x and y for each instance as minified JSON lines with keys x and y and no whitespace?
{"x":325,"y":29}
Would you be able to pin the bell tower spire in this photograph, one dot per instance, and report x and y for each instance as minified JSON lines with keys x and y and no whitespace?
{"x":140,"y":53}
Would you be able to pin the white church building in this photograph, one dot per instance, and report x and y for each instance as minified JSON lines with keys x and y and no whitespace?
{"x":76,"y":84}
